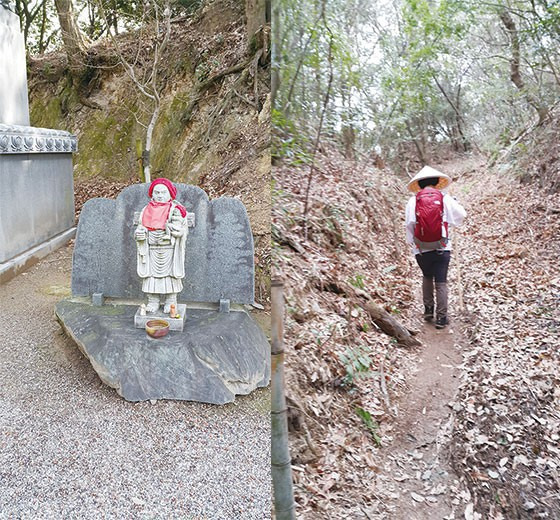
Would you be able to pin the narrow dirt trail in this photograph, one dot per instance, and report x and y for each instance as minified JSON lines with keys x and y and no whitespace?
{"x":414,"y":465}
{"x":416,"y":477}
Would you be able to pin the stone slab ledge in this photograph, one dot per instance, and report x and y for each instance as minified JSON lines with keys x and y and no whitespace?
{"x":25,"y":260}
{"x":216,"y":357}
{"x":16,"y":139}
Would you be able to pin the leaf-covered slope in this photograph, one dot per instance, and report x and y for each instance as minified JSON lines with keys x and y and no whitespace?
{"x":505,"y":442}
{"x":343,"y":373}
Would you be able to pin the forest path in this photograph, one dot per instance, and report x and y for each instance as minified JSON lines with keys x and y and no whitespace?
{"x":416,"y":476}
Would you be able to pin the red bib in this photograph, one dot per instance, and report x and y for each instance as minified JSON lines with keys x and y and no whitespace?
{"x":155,"y":215}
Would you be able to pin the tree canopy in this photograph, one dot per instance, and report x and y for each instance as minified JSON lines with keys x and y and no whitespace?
{"x":411,"y":74}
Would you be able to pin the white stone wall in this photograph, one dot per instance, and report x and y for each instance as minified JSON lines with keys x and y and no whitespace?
{"x":36,"y":200}
{"x":14,"y":105}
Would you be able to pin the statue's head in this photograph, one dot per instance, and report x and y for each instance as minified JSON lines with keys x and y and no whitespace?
{"x":162,"y":190}
{"x":161,"y":194}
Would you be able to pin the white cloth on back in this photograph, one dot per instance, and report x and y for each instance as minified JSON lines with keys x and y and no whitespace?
{"x":453,"y":213}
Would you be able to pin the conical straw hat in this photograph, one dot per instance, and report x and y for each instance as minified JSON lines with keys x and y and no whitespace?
{"x":426,"y":173}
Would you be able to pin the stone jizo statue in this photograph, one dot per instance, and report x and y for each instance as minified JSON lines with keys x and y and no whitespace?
{"x":160,"y":237}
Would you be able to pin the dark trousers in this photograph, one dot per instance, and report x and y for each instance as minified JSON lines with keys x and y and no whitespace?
{"x":434,"y":265}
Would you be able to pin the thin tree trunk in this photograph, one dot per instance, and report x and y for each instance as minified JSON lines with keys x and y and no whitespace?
{"x":348,"y":130}
{"x":146,"y":162}
{"x":419,"y":148}
{"x":515,"y":68}
{"x":296,"y":74}
{"x":455,"y":107}
{"x":276,"y":53}
{"x":318,"y":138}
{"x":43,"y":28}
{"x":465,"y":141}
{"x":74,"y":42}
{"x":552,"y":67}
{"x":284,"y":504}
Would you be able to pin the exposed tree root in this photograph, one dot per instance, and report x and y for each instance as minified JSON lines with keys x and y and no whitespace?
{"x":247,"y":67}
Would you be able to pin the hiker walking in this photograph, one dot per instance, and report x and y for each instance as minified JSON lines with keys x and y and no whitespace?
{"x":429,"y":215}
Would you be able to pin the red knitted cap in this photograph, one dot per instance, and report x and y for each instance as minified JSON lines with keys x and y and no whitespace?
{"x":166,"y":182}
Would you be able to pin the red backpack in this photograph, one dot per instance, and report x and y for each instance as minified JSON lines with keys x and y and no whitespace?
{"x":430,"y":231}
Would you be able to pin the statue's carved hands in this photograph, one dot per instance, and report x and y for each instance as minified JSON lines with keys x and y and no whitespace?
{"x":141,"y":233}
{"x":177,"y":227}
{"x":177,"y":231}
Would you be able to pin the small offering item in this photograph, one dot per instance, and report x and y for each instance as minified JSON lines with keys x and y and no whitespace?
{"x":157,"y":328}
{"x":172,"y":311}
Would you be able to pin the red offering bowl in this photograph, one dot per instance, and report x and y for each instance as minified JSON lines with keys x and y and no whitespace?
{"x":157,"y":328}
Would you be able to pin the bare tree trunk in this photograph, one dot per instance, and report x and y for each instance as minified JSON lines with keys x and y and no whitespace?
{"x":255,"y":10}
{"x":303,"y":57}
{"x":389,"y":325}
{"x":378,"y":314}
{"x":318,"y":137}
{"x":465,"y":141}
{"x":515,"y":74}
{"x":417,"y":145}
{"x":27,"y":18}
{"x":148,"y":145}
{"x":154,"y":85}
{"x":348,"y":130}
{"x":74,"y":42}
{"x":456,"y":109}
{"x":43,"y":28}
{"x":276,"y":53}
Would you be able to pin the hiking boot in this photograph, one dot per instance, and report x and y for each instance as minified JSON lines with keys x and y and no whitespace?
{"x":428,"y":313}
{"x":442,"y":322}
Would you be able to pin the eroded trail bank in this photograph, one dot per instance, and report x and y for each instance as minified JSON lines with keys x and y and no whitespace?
{"x":462,"y":427}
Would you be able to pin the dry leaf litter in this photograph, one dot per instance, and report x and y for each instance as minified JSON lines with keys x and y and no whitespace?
{"x":345,"y":377}
{"x":337,"y":361}
{"x":506,"y":438}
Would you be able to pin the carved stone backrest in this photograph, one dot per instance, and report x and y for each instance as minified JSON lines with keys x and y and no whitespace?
{"x":219,"y":261}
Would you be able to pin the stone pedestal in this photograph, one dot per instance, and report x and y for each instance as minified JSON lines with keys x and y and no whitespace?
{"x":174,"y":323}
{"x":216,"y":357}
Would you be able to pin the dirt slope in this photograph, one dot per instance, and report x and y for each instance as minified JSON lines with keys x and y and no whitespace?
{"x":220,"y":142}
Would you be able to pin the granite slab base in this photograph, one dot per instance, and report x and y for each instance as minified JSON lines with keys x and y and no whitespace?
{"x":174,"y":323}
{"x":216,"y":357}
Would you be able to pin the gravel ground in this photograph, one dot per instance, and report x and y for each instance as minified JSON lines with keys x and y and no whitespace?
{"x":71,"y":447}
